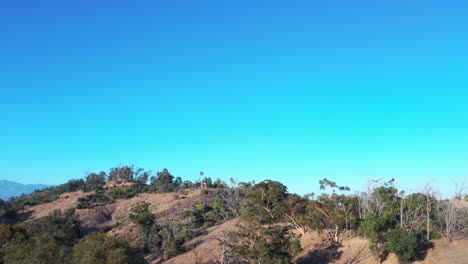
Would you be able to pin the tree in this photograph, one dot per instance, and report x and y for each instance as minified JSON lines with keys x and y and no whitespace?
{"x":403,"y":244}
{"x":413,"y":213}
{"x":452,"y":219}
{"x":262,"y":244}
{"x":296,"y":213}
{"x":162,"y":240}
{"x":264,"y":202}
{"x":427,"y":191}
{"x":122,"y":173}
{"x":452,"y":215}
{"x":141,"y":176}
{"x":376,"y":227}
{"x":260,"y":238}
{"x":95,"y":181}
{"x":336,"y":213}
{"x":164,"y":181}
{"x":45,"y":240}
{"x":233,"y":197}
{"x":141,"y":215}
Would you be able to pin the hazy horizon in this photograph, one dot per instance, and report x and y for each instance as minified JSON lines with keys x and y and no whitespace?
{"x":293,"y":92}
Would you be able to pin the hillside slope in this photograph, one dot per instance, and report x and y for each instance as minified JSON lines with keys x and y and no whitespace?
{"x":113,"y":219}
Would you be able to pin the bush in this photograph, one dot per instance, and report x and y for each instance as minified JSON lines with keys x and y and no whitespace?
{"x":45,"y":240}
{"x":130,"y":192}
{"x":99,"y":248}
{"x":141,"y":215}
{"x":92,"y":200}
{"x":294,"y":245}
{"x":403,"y":244}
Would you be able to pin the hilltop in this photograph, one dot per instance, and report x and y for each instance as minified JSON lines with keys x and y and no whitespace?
{"x":131,"y":216}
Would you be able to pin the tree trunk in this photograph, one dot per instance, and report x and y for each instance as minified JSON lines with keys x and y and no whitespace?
{"x":428,"y":209}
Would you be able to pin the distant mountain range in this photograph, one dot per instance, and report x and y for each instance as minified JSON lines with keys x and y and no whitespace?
{"x":9,"y":188}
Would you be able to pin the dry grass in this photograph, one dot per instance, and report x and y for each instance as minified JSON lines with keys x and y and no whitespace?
{"x":65,"y":201}
{"x":356,"y":248}
{"x":442,"y":252}
{"x":166,"y":206}
{"x":205,"y":248}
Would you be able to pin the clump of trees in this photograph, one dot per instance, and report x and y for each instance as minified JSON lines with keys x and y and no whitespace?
{"x":161,"y":240}
{"x":260,"y":237}
{"x":57,"y":238}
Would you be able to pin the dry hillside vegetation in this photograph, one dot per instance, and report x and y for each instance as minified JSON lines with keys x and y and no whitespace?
{"x":65,"y":201}
{"x":133,"y":216}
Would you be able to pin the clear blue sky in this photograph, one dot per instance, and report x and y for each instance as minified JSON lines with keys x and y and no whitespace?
{"x":288,"y":90}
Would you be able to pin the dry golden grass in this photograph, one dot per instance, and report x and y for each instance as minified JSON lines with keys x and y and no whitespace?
{"x":205,"y":248}
{"x":65,"y":201}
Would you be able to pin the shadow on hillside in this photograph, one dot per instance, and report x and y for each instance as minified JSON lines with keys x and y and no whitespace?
{"x":321,"y":255}
{"x":11,"y":220}
{"x":423,"y":248}
{"x":198,"y":242}
{"x":24,"y":216}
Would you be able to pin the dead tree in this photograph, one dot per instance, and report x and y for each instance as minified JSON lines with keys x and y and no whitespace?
{"x":453,"y":216}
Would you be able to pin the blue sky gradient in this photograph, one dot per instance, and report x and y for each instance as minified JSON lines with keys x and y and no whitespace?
{"x":288,"y":90}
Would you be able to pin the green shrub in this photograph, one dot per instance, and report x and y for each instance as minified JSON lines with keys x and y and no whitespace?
{"x":403,"y":244}
{"x":92,"y":200}
{"x":99,"y":248}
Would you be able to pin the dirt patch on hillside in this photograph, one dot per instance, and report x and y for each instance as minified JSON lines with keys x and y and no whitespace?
{"x":317,"y":250}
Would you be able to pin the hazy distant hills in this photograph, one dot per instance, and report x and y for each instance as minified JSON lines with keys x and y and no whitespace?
{"x":9,"y":188}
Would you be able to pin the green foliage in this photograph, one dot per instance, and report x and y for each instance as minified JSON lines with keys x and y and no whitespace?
{"x":141,"y":215}
{"x":264,"y":202}
{"x":130,"y":191}
{"x":92,"y":200}
{"x":45,"y":240}
{"x":340,"y":210}
{"x":171,"y":239}
{"x":294,"y":245}
{"x":122,"y":173}
{"x":376,"y":228}
{"x":141,"y":177}
{"x":164,"y":182}
{"x":259,"y":244}
{"x":403,"y":244}
{"x":57,"y":238}
{"x":218,"y":184}
{"x":6,"y":210}
{"x":95,"y":181}
{"x":99,"y":248}
{"x":386,"y":198}
{"x":204,"y":216}
{"x":390,"y":221}
{"x":9,"y":236}
{"x":327,"y":183}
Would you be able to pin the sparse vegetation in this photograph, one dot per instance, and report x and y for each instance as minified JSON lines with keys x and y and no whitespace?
{"x":272,"y":220}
